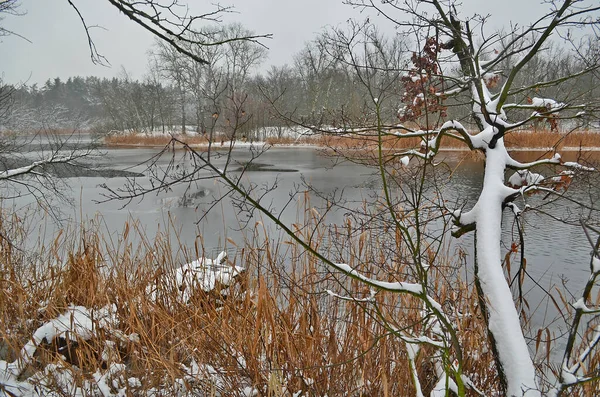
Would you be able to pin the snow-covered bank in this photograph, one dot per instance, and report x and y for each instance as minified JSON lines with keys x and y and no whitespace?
{"x":51,"y":363}
{"x":343,"y":140}
{"x":225,"y":145}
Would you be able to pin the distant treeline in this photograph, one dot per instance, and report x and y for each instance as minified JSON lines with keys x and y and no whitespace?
{"x":323,"y":86}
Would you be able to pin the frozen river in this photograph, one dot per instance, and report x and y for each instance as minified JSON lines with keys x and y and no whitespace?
{"x":191,"y":216}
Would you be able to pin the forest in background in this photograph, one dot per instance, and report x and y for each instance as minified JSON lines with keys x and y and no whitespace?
{"x":230,"y":94}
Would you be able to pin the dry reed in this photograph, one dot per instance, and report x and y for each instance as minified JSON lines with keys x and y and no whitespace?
{"x":364,"y":147}
{"x":275,"y":331}
{"x":135,"y":139}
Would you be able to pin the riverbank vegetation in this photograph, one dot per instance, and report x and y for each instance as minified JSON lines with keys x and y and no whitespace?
{"x":484,"y":104}
{"x":107,"y":318}
{"x":124,"y":323}
{"x":317,"y":89}
{"x":528,"y":140}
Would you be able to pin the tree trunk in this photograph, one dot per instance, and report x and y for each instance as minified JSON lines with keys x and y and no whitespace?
{"x":506,"y":335}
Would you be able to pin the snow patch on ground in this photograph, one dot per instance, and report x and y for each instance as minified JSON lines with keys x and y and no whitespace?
{"x":204,"y":275}
{"x":78,"y":324}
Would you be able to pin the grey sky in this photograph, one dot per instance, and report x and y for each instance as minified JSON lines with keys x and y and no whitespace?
{"x":59,"y":46}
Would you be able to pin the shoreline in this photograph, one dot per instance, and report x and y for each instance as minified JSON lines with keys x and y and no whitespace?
{"x":260,"y":144}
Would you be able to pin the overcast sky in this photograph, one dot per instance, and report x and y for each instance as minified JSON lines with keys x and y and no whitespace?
{"x":59,"y":46}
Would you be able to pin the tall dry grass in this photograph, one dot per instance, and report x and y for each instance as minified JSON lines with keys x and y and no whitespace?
{"x":365,"y":145}
{"x":525,"y":139}
{"x":136,"y":139}
{"x":274,"y":332}
{"x":545,"y":139}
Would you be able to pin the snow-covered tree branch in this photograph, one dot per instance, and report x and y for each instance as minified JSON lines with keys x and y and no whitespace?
{"x":453,"y":64}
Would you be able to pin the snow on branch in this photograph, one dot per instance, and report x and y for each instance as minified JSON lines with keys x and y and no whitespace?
{"x":429,"y":148}
{"x":546,"y":104}
{"x":451,"y":125}
{"x":421,"y":340}
{"x":28,"y":169}
{"x":412,"y":351}
{"x":462,"y":222}
{"x":451,"y":92}
{"x":569,"y":373}
{"x":415,"y":153}
{"x":580,"y":305}
{"x":525,"y":178}
{"x":556,"y":159}
{"x":371,"y":297}
{"x":532,"y":51}
{"x":577,"y":166}
{"x":445,"y":383}
{"x":412,"y":134}
{"x":398,"y":286}
{"x":586,"y":352}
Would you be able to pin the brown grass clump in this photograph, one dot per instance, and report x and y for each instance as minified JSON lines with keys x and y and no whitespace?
{"x":545,"y":139}
{"x":275,"y":330}
{"x":136,"y":139}
{"x":365,"y":146}
{"x":516,"y":139}
{"x":288,"y":141}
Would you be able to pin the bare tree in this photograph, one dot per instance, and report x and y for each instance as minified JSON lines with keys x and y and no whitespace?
{"x":172,"y":66}
{"x":159,"y":94}
{"x":217,"y":89}
{"x":6,"y":98}
{"x":32,"y":172}
{"x":453,"y":59}
{"x":9,"y":7}
{"x":172,"y":23}
{"x":439,"y":28}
